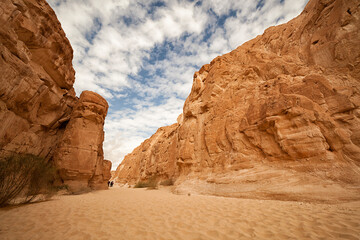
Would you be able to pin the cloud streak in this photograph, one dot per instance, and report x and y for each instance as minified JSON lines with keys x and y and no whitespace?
{"x":141,"y":55}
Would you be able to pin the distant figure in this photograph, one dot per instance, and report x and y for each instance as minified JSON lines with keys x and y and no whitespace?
{"x":108,"y":183}
{"x":111,"y":183}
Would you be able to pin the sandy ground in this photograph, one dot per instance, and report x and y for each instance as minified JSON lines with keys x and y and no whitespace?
{"x":121,"y":213}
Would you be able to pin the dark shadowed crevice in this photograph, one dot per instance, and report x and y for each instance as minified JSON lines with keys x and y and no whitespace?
{"x":63,"y":124}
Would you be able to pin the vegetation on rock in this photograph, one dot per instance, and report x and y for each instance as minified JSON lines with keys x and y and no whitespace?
{"x":23,"y":177}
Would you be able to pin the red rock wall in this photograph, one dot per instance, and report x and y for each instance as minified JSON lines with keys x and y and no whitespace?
{"x":79,"y":155}
{"x":37,"y":98}
{"x":278,"y":117}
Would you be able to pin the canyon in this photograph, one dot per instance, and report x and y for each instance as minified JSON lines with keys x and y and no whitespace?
{"x":276,"y":118}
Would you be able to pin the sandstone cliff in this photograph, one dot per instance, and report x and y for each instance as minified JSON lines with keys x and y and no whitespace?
{"x":39,"y":112}
{"x":278,"y":117}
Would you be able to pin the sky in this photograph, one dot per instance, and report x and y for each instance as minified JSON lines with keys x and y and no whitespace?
{"x":141,"y":55}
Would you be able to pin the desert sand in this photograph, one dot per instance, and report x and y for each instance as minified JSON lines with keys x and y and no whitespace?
{"x":124,"y":213}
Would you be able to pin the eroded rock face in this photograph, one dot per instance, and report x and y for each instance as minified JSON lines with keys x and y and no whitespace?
{"x":155,"y":156}
{"x":278,"y":117}
{"x":79,"y":151}
{"x":37,"y":99}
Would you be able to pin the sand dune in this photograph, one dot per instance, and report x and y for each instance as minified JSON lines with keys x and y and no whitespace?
{"x":122,"y":213}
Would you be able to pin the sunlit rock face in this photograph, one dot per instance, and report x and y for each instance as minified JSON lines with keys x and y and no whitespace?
{"x":277,"y":118}
{"x":79,"y":154}
{"x":37,"y":100}
{"x":155,"y":156}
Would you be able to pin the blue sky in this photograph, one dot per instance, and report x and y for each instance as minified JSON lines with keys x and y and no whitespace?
{"x":141,"y":54}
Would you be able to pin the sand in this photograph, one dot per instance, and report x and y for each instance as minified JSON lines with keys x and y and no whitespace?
{"x":122,"y":213}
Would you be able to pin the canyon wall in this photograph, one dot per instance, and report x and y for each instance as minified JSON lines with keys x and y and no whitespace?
{"x":276,"y":118}
{"x":39,"y":111}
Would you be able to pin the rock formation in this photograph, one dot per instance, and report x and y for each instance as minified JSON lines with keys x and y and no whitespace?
{"x":276,"y":118}
{"x":39,"y":112}
{"x":82,"y":140}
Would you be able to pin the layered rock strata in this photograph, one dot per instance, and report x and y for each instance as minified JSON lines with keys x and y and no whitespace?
{"x":276,"y":118}
{"x":39,"y":112}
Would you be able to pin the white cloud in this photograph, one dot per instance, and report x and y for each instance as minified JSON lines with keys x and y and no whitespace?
{"x":127,"y":129}
{"x":116,"y":41}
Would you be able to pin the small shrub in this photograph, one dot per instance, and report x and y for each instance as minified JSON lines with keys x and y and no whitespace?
{"x":141,"y":184}
{"x":149,"y":184}
{"x":25,"y":175}
{"x":62,"y":187}
{"x":152,"y":185}
{"x":167,"y":182}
